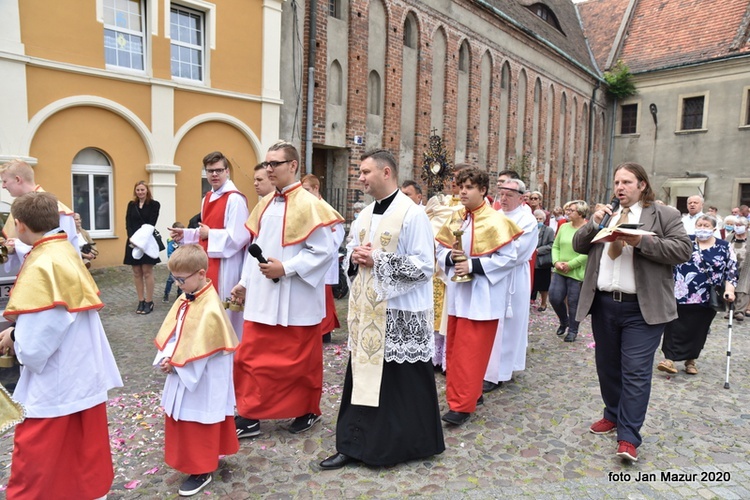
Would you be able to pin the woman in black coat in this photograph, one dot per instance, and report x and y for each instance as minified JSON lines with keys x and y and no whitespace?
{"x":142,"y":209}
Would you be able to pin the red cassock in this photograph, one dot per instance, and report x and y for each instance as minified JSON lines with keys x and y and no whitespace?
{"x":278,"y":371}
{"x":194,"y":448}
{"x":65,"y":458}
{"x":468,"y":349}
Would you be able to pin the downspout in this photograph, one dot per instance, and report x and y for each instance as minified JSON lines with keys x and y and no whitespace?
{"x":310,"y":85}
{"x":590,"y":145}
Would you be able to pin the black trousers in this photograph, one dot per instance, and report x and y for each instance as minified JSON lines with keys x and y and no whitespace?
{"x":625,"y":347}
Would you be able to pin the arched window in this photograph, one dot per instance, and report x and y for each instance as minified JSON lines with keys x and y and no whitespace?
{"x":463,"y":57}
{"x":373,"y":93}
{"x":92,"y":191}
{"x":335,"y":83}
{"x":410,"y":31}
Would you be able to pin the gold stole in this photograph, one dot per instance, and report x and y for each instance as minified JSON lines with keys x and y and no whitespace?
{"x":205,"y":328}
{"x":367,"y":314}
{"x":303,"y":214}
{"x":490,"y":231}
{"x":52,"y":275}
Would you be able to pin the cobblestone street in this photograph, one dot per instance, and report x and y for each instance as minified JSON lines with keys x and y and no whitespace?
{"x":529,"y":439}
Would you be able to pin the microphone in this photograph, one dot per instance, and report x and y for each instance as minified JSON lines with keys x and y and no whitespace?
{"x":256,"y":252}
{"x":614,"y":205}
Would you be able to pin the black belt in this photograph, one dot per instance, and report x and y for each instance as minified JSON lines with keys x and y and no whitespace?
{"x":619,"y":296}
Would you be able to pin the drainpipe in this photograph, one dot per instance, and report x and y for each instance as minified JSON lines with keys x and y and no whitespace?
{"x":313,"y":5}
{"x":590,"y":145}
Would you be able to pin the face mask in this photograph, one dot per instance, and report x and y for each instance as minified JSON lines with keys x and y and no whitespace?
{"x":729,"y":229}
{"x":356,"y":214}
{"x":740,"y":230}
{"x":539,"y":224}
{"x":703,"y":234}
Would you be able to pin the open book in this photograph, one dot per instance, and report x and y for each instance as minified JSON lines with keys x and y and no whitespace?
{"x":610,"y":234}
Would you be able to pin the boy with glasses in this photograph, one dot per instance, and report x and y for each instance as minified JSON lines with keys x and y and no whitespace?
{"x":195,"y":344}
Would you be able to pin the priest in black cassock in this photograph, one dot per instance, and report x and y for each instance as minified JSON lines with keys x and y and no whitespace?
{"x":389,"y":409}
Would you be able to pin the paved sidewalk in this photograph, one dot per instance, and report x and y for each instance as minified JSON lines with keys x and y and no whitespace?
{"x":530,"y":439}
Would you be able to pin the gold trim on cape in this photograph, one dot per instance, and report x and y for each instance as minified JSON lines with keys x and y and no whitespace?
{"x":205,"y":328}
{"x":307,"y":214}
{"x":52,"y":275}
{"x":490,"y":230}
{"x":367,"y":314}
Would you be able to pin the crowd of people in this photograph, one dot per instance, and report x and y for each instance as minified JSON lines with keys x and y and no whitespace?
{"x":442,"y":285}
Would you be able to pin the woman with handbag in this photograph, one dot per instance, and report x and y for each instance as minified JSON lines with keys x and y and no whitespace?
{"x":698,"y":285}
{"x":142,"y":209}
{"x":569,"y":268}
{"x":543,"y":262}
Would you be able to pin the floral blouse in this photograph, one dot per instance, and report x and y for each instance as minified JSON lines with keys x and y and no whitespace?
{"x":712,"y":266}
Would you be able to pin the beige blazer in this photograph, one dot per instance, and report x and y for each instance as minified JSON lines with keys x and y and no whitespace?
{"x":653,"y":260}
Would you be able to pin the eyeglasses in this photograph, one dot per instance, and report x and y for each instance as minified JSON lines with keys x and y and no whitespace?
{"x":534,"y":198}
{"x":181,"y":281}
{"x":274,"y":164}
{"x":214,"y":171}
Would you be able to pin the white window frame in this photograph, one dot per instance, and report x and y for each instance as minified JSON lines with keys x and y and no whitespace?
{"x":90,"y":171}
{"x":143,"y":34}
{"x":745,"y":109}
{"x":200,"y":47}
{"x":680,"y":105}
{"x":618,"y":123}
{"x":209,"y":34}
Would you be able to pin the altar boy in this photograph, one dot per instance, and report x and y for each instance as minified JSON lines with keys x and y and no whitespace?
{"x":478,"y":264}
{"x":62,"y":448}
{"x":195,"y":344}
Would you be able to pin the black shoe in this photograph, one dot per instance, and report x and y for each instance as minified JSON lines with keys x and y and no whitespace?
{"x":148,"y":307}
{"x":456,"y":417}
{"x":480,"y":401}
{"x":246,"y":427}
{"x":165,"y":298}
{"x":336,"y":461}
{"x":561,"y":330}
{"x":193,"y":484}
{"x":301,"y":424}
{"x":488,"y":386}
{"x":141,"y":307}
{"x":571,"y":337}
{"x":327,"y":338}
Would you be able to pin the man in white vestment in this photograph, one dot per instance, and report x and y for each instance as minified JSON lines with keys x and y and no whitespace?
{"x":509,"y":349}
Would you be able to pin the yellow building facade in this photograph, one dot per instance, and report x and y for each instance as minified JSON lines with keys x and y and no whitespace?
{"x":100,"y":94}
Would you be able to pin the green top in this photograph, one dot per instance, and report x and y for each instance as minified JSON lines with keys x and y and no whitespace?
{"x":562,"y":251}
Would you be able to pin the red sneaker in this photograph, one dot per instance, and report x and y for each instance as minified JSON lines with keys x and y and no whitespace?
{"x":627,"y":451}
{"x":603,"y":426}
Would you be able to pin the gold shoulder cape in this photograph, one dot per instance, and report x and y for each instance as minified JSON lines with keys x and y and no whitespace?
{"x":303,"y":214}
{"x":52,"y":275}
{"x":9,"y":229}
{"x":490,"y":230}
{"x":205,"y":329}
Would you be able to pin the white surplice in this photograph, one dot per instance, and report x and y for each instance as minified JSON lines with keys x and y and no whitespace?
{"x":68,"y":365}
{"x":484,"y":297}
{"x":298,"y":299}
